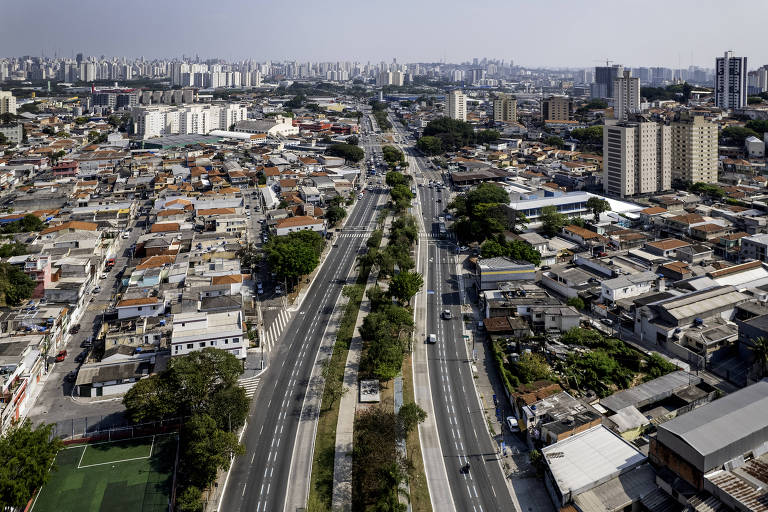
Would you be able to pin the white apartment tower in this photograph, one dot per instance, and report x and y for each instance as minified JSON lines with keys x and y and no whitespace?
{"x":694,"y":150}
{"x":730,"y":81}
{"x":636,"y":158}
{"x":626,"y":96}
{"x":7,"y":102}
{"x":456,"y":105}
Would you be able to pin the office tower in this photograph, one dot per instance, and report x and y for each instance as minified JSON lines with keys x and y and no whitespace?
{"x":456,"y":105}
{"x":7,"y":102}
{"x":604,"y":76}
{"x":730,"y":81}
{"x":626,"y":96}
{"x":694,"y":150}
{"x":505,"y":108}
{"x":636,"y":158}
{"x":397,"y":78}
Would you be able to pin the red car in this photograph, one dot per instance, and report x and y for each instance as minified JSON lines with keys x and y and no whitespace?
{"x":61,"y":356}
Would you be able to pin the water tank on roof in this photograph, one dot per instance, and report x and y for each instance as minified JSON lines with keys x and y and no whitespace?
{"x":698,"y":321}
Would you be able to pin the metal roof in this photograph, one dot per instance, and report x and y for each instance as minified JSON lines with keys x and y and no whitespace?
{"x":702,"y":302}
{"x":650,"y":391}
{"x":704,"y":435}
{"x":588,"y":459}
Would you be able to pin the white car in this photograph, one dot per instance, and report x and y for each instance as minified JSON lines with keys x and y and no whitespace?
{"x":512,"y":424}
{"x":432,"y":338}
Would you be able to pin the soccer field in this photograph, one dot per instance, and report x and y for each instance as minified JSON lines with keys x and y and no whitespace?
{"x":126,"y":475}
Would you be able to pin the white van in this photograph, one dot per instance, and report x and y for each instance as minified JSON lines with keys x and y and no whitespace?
{"x":432,"y":338}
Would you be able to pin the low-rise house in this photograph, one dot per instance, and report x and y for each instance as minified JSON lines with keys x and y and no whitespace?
{"x":198,"y":330}
{"x":555,"y":418}
{"x":493,"y":271}
{"x":695,"y":253}
{"x":299,"y":223}
{"x":140,"y":307}
{"x":626,"y":286}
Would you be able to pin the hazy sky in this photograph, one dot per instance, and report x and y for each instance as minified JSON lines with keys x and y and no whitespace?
{"x":531,"y":32}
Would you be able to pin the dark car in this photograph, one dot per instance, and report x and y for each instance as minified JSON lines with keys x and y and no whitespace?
{"x":75,"y":329}
{"x":71,"y":376}
{"x":79,"y":358}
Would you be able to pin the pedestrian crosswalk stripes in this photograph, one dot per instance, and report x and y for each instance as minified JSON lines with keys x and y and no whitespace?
{"x":273,"y":332}
{"x":250,"y":384}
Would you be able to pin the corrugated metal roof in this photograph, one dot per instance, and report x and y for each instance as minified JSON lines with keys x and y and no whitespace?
{"x":656,"y":388}
{"x":618,"y":492}
{"x":589,"y":459}
{"x":700,"y":302}
{"x":720,"y":423}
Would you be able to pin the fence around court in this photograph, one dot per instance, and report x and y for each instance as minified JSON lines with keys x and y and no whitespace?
{"x":106,"y":428}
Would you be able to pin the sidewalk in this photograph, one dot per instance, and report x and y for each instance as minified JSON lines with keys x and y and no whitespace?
{"x":342,"y":465}
{"x":527,"y":490}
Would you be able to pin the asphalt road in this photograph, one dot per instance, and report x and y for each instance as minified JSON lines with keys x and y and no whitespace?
{"x":259,"y":479}
{"x":462,"y":428}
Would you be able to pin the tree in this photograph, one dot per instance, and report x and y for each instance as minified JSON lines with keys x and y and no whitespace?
{"x":757,"y":125}
{"x":430,"y":145}
{"x":294,"y":255}
{"x":754,"y":100}
{"x":229,"y":407}
{"x":401,"y":195}
{"x":348,"y":152}
{"x":12,"y":249}
{"x":15,"y":285}
{"x":553,"y":221}
{"x":333,"y":387}
{"x":759,"y":350}
{"x":150,"y":399}
{"x":408,"y":418}
{"x":737,"y":134}
{"x":26,"y":456}
{"x":392,"y":155}
{"x":334,"y":214}
{"x":295,"y":102}
{"x":189,"y":500}
{"x":576,"y":302}
{"x":590,"y":136}
{"x":555,"y":141}
{"x":598,"y":206}
{"x":405,"y":285}
{"x":492,"y":249}
{"x":206,"y":450}
{"x":532,"y":367}
{"x":394,"y":178}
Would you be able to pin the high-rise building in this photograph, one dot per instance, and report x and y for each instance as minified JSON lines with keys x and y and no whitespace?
{"x":694,"y":150}
{"x":505,"y":108}
{"x":730,"y":81}
{"x":556,"y":108}
{"x":456,"y":105}
{"x":604,"y":76}
{"x":7,"y":102}
{"x":636,"y":158}
{"x":626,"y":96}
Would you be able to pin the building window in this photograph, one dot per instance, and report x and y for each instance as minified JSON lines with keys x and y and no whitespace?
{"x":190,"y":346}
{"x":202,"y":344}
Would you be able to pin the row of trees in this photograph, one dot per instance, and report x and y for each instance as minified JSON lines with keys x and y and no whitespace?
{"x":453,"y":134}
{"x":201,"y":389}
{"x":26,"y":224}
{"x":393,"y":156}
{"x":294,"y":255}
{"x":400,"y":192}
{"x":497,"y":245}
{"x":349,"y":152}
{"x":379,"y":470}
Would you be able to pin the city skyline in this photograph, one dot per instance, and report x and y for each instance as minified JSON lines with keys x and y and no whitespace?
{"x":683,"y":35}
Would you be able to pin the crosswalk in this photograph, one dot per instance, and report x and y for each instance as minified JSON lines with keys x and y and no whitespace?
{"x":251,"y":384}
{"x":354,"y":235}
{"x":276,"y":329}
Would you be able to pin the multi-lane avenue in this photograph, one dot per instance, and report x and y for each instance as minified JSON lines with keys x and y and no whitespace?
{"x":461,"y":425}
{"x":269,"y":477}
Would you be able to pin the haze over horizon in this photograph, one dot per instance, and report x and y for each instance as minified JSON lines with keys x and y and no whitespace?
{"x":554,"y":34}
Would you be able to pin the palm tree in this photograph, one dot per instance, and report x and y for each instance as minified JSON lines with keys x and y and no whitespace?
{"x":760,"y":354}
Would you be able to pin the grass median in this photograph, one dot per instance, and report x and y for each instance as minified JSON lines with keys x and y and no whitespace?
{"x":321,"y":483}
{"x":417,"y":477}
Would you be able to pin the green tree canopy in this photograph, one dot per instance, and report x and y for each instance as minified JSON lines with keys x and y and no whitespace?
{"x":737,"y":135}
{"x":26,"y":456}
{"x":405,"y":285}
{"x":430,"y":145}
{"x":15,"y":285}
{"x":334,"y":214}
{"x":395,"y":178}
{"x":348,"y":152}
{"x":555,"y":141}
{"x":392,"y":155}
{"x":591,"y":136}
{"x":552,"y":220}
{"x":294,"y":255}
{"x":598,"y":206}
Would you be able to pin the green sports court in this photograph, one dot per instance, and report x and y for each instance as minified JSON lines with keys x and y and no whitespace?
{"x":128,"y":475}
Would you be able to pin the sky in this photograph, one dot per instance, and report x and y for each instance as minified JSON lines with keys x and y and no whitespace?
{"x":534,"y":33}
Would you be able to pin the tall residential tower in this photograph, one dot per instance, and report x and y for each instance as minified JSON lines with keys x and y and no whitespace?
{"x":730,"y":81}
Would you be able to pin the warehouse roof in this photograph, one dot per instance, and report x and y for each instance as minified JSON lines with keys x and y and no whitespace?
{"x":704,"y":435}
{"x":701,"y":302}
{"x":650,"y":391}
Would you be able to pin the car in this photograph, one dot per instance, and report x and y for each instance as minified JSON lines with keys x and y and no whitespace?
{"x":88,"y":342}
{"x":432,"y":339}
{"x":75,"y":329}
{"x":512,"y":424}
{"x":607,"y":321}
{"x":335,"y":245}
{"x":126,"y":235}
{"x":447,"y":314}
{"x":438,"y":200}
{"x":104,"y":275}
{"x":71,"y":376}
{"x":97,"y":289}
{"x":464,"y":248}
{"x":61,"y":356}
{"x":79,"y":358}
{"x":278,"y":289}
